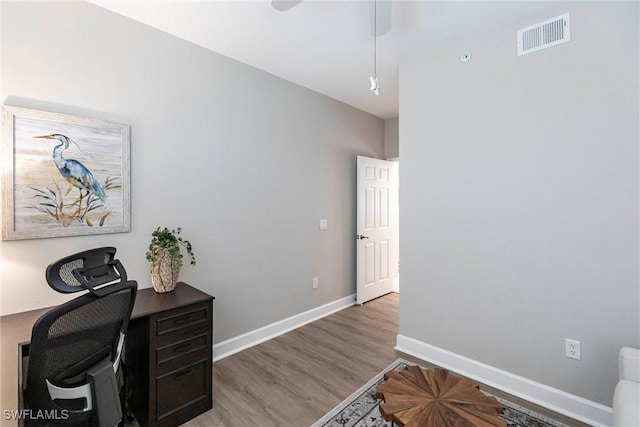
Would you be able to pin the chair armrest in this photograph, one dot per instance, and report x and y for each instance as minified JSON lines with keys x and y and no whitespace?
{"x":629,"y":364}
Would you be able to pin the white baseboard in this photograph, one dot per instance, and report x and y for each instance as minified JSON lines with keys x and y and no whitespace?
{"x":556,"y":400}
{"x":265,"y":333}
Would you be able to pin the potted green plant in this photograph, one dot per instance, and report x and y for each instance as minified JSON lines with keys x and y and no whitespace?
{"x":166,"y":258}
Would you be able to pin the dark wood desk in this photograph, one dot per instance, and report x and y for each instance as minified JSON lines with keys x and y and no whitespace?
{"x":168,"y":352}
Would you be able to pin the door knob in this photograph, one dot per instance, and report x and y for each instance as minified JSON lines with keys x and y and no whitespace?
{"x":360,"y":237}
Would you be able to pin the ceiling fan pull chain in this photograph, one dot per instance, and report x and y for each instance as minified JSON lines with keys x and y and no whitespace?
{"x":375,"y":88}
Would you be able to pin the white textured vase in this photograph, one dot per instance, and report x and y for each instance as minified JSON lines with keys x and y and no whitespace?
{"x":164,"y":272}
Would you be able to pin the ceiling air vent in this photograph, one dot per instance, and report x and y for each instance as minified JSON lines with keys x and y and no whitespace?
{"x":545,"y":34}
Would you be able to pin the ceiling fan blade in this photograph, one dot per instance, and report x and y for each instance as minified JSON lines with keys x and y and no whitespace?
{"x":283,"y":5}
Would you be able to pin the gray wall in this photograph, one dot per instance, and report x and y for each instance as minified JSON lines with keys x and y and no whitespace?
{"x":391,"y":139}
{"x":245,"y":162}
{"x":519,"y":221}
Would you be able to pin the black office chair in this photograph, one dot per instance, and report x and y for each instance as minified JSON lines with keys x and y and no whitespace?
{"x":75,"y":348}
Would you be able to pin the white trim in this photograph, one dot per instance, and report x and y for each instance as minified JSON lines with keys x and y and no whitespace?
{"x":265,"y":333}
{"x":573,"y":406}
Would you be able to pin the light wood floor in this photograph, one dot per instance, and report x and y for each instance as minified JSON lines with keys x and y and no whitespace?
{"x":294,"y":379}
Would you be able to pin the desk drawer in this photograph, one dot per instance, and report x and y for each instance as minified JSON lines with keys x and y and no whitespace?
{"x":180,"y":320}
{"x":182,"y":347}
{"x":181,"y":387}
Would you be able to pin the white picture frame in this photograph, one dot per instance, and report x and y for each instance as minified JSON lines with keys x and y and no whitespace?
{"x":63,"y":175}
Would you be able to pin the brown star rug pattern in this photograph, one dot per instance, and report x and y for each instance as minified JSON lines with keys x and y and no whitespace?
{"x":362,"y":408}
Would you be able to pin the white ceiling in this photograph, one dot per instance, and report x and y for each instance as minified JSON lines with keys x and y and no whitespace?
{"x":326,"y":45}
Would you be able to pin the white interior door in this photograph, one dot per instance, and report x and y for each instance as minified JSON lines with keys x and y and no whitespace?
{"x":375,"y":228}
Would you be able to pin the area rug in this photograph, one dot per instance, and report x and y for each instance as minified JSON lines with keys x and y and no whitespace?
{"x":361,"y":409}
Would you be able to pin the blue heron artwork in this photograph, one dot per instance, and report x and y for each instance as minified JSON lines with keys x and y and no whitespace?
{"x":91,"y":194}
{"x":72,"y":170}
{"x":70,"y":175}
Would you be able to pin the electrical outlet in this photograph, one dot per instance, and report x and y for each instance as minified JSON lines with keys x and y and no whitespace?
{"x":572,"y":348}
{"x":314,"y":283}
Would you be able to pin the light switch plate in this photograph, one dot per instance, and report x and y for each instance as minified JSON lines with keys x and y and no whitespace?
{"x":323,"y":224}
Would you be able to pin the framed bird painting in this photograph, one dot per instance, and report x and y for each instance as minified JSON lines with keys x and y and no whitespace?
{"x":63,"y":175}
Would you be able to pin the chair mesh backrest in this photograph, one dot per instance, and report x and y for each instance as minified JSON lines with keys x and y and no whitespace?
{"x":86,"y":332}
{"x":73,"y":337}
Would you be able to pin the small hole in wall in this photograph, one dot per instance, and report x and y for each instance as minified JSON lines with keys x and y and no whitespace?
{"x":465,"y":57}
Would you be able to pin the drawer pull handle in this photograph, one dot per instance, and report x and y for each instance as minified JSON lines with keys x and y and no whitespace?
{"x":182,"y":348}
{"x":182,"y":321}
{"x":182,"y":374}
